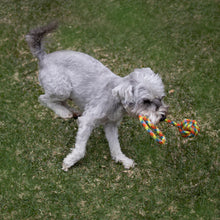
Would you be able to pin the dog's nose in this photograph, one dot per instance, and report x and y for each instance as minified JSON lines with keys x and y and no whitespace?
{"x":163,"y":117}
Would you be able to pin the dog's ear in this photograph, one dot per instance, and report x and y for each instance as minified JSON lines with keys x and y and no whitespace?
{"x":125,"y":92}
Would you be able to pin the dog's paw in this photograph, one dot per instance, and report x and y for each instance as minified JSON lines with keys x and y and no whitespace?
{"x":128,"y":163}
{"x":65,"y":114}
{"x":65,"y":167}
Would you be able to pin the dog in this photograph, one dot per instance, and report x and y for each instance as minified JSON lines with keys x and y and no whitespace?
{"x":103,"y":97}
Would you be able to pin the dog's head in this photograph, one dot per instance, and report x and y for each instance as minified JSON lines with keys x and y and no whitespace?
{"x":142,"y":92}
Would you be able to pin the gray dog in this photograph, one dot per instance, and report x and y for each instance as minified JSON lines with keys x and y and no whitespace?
{"x":102,"y":96}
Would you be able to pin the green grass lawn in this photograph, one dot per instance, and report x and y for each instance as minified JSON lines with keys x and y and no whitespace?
{"x":178,"y":180}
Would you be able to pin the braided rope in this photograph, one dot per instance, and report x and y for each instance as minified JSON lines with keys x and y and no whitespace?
{"x":187,"y":128}
{"x":147,"y":125}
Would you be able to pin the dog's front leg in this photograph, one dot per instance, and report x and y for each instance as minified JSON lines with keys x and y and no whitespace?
{"x":77,"y":153}
{"x":111,"y":132}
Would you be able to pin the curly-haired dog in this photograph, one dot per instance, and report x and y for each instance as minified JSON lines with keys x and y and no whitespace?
{"x":102,"y":96}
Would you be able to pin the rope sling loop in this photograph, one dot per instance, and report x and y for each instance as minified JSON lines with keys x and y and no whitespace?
{"x":187,"y":128}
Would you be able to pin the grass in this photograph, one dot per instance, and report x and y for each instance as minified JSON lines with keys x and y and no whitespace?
{"x":178,"y":39}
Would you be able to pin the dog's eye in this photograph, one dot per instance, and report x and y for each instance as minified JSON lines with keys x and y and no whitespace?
{"x":146,"y":102}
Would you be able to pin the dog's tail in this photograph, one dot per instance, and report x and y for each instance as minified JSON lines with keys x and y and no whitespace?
{"x":34,"y":39}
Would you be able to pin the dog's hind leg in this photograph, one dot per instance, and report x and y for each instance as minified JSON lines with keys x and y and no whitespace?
{"x":57,"y":104}
{"x":86,"y":126}
{"x":111,"y":132}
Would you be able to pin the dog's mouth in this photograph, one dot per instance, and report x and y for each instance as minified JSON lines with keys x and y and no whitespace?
{"x":155,"y":113}
{"x":156,"y":116}
{"x":163,"y":117}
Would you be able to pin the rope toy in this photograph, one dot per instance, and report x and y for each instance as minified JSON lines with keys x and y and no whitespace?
{"x":187,"y":128}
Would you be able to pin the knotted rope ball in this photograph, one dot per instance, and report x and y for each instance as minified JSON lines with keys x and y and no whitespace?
{"x":187,"y":128}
